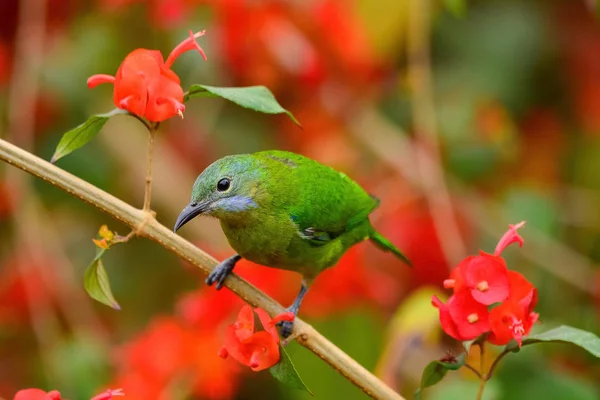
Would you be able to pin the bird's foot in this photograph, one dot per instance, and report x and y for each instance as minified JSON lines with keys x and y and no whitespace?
{"x":286,"y":328}
{"x":221,"y":271}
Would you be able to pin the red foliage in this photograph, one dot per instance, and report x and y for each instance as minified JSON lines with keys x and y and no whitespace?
{"x":146,"y":86}
{"x":480,"y":281}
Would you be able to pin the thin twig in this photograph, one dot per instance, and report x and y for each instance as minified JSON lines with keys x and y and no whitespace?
{"x":495,"y":364}
{"x":152,"y":229}
{"x":470,"y":367}
{"x":428,"y":152}
{"x":482,"y":376}
{"x":148,"y":191}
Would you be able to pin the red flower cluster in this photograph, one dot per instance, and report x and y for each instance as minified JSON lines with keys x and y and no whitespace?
{"x":257,"y":350}
{"x":146,"y":86}
{"x":480,"y":282}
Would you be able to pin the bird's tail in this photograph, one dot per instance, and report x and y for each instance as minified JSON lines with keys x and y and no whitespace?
{"x":385,"y":245}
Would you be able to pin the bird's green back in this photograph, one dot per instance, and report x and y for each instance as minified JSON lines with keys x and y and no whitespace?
{"x":315,"y":195}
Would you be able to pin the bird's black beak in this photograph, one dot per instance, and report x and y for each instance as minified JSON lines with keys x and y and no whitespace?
{"x":188,"y":213}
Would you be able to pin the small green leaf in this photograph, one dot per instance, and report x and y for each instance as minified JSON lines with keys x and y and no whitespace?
{"x":81,"y":135}
{"x":286,"y":373}
{"x":96,"y":282}
{"x":436,"y":370}
{"x":257,"y":98}
{"x":567,"y":334}
{"x":457,"y":7}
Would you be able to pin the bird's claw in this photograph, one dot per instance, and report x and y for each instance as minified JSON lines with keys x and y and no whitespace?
{"x":219,"y":274}
{"x":286,"y":328}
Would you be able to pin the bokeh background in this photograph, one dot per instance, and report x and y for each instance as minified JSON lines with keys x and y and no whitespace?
{"x":462,"y":117}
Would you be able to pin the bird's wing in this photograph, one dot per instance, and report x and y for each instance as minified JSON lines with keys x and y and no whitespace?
{"x":327,"y":203}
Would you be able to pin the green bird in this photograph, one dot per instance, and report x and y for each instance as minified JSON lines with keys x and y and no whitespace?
{"x":283,"y":210}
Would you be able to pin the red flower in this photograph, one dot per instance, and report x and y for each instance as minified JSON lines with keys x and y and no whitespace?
{"x":36,"y":394}
{"x":462,"y":317}
{"x":485,"y":276}
{"x":146,"y":86}
{"x":514,"y":318}
{"x":258,"y":350}
{"x":108,"y":394}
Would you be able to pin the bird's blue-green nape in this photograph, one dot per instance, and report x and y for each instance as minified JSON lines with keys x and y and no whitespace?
{"x":227,"y":186}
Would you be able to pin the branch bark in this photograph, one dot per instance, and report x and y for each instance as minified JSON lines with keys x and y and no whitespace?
{"x":149,"y":227}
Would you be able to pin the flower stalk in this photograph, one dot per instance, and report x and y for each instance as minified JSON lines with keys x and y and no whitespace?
{"x":148,"y":188}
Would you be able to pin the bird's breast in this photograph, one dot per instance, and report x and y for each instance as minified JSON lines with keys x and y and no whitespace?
{"x":264,"y":240}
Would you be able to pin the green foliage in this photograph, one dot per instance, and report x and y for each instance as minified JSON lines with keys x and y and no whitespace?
{"x":456,"y":7}
{"x":257,"y":98}
{"x":82,"y":134}
{"x":285,"y":372}
{"x":564,"y":334}
{"x":96,"y":282}
{"x":436,"y":370}
{"x":529,"y":376}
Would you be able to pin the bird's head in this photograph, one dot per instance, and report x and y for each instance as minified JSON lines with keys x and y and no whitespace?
{"x":225,"y":189}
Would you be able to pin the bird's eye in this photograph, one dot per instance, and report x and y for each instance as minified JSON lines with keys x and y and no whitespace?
{"x":223,"y":185}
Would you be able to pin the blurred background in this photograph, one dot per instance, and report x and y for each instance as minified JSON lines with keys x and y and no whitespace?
{"x":462,"y":117}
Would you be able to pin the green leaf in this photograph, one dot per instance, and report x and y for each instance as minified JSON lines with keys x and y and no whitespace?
{"x":96,"y":282}
{"x":257,"y":98}
{"x":436,"y":370}
{"x":456,"y":7}
{"x":81,"y":135}
{"x":285,"y":372}
{"x":567,"y":334}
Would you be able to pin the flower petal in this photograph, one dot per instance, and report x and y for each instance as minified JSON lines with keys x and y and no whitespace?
{"x":511,"y":236}
{"x":30,"y":394}
{"x":187,"y":45}
{"x":487,"y":277}
{"x":244,"y":324}
{"x":265,"y":351}
{"x":470,"y":316}
{"x":165,"y":100}
{"x":266,"y":322}
{"x":108,"y":394}
{"x":446,"y":321}
{"x":96,"y":80}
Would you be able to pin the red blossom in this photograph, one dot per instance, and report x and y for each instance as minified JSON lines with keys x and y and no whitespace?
{"x":512,"y":320}
{"x":146,"y":86}
{"x":462,"y":317}
{"x":480,"y":281}
{"x":37,"y":394}
{"x":484,"y":275}
{"x":257,"y":350}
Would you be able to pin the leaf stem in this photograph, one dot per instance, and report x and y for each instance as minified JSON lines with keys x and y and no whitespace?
{"x":474,"y":370}
{"x":495,"y":364}
{"x":482,"y":376}
{"x":148,"y":190}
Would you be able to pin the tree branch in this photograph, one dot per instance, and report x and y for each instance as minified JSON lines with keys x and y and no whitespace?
{"x":149,"y":227}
